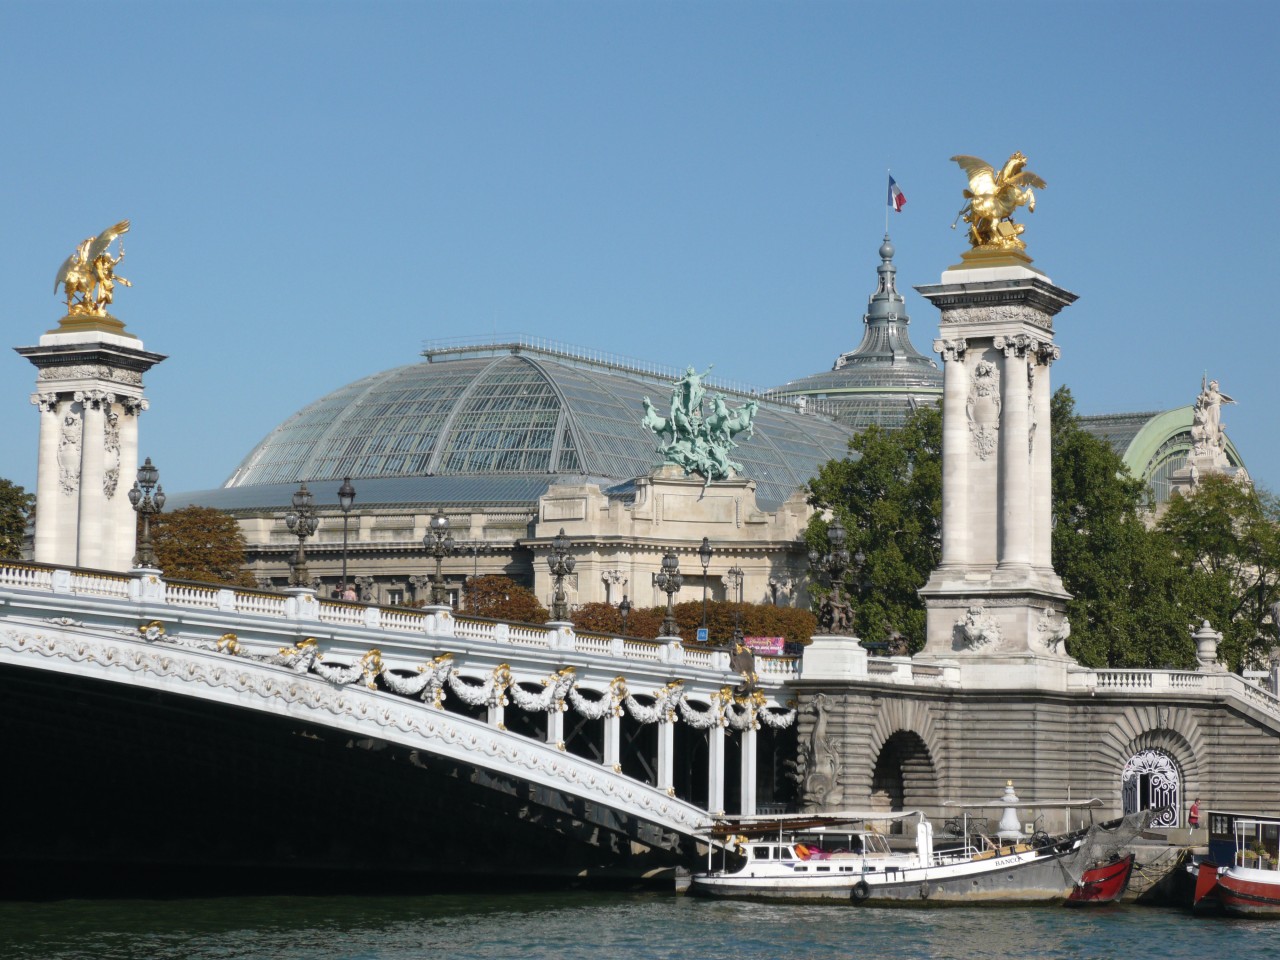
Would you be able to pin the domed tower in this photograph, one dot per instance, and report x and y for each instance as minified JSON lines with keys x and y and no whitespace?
{"x":885,"y":378}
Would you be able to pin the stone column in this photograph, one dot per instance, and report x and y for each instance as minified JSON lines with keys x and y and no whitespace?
{"x":1015,"y":460}
{"x":613,"y":742}
{"x":747,"y":780}
{"x":555,"y":726}
{"x":955,"y":490}
{"x":987,"y":599}
{"x":1042,"y":459}
{"x":497,"y":714}
{"x":88,"y":369}
{"x":91,"y":512}
{"x":715,"y":770}
{"x":48,"y":493}
{"x":666,"y":755}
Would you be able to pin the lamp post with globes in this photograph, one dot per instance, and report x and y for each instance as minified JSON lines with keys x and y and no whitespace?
{"x":669,"y":580}
{"x":439,"y":544}
{"x":302,"y":522}
{"x":704,"y":554}
{"x":146,"y":505}
{"x":624,"y":609}
{"x":833,"y":610}
{"x":346,"y":498}
{"x":561,"y":565}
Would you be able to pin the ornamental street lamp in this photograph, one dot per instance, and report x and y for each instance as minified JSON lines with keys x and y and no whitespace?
{"x":346,"y":497}
{"x":146,"y":507}
{"x":704,"y":554}
{"x":475,"y":548}
{"x":439,"y":544}
{"x":834,"y":613}
{"x":669,"y":580}
{"x":624,"y":608}
{"x":733,"y":580}
{"x":302,"y":521}
{"x":561,"y":565}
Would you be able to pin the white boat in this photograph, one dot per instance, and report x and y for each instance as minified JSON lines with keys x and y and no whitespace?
{"x":1250,"y":885}
{"x":841,"y":857}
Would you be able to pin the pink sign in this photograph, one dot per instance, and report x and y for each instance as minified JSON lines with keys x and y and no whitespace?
{"x":768,"y":645}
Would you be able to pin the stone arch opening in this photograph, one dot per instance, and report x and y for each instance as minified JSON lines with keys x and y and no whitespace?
{"x":1152,"y":780}
{"x":904,"y":776}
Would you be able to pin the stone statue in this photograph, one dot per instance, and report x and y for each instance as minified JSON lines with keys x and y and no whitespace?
{"x":976,"y":629}
{"x":835,"y":613}
{"x":991,"y":199}
{"x":819,"y":767}
{"x":694,"y":441}
{"x":1208,"y":439}
{"x":88,"y":276}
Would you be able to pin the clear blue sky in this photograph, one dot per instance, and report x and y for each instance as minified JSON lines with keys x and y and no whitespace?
{"x":318,"y":188}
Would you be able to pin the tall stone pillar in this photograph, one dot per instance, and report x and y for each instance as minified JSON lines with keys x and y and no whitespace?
{"x":89,"y":393}
{"x":748,"y":773}
{"x":994,"y":604}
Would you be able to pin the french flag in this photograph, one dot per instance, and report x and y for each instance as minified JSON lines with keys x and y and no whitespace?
{"x":897,"y":199}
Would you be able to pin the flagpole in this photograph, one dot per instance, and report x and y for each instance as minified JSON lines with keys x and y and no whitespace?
{"x":886,"y":202}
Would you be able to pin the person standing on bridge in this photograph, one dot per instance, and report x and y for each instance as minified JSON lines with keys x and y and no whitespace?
{"x":1193,"y":815}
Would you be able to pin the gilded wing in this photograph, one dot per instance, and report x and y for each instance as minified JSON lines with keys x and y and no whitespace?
{"x":103,"y":240}
{"x":68,"y":265}
{"x":1026,"y":179}
{"x":974,"y":166}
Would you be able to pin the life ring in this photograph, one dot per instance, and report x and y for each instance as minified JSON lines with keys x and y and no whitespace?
{"x":861,"y":891}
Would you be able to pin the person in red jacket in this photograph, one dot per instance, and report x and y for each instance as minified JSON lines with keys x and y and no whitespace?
{"x":1193,"y":817}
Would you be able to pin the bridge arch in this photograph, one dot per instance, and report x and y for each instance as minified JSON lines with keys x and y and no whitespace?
{"x":1149,"y":732}
{"x":905,"y":752}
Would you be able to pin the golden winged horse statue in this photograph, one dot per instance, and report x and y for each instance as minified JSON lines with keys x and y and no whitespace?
{"x":991,"y":199}
{"x":88,"y":276}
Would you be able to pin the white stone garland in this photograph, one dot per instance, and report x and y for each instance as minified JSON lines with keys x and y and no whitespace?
{"x":554,"y":690}
{"x":664,"y":706}
{"x":429,"y":684}
{"x":704,"y":720}
{"x":609,"y":704}
{"x":490,"y":693}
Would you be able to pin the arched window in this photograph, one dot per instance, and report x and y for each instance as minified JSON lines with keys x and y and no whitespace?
{"x":1151,"y":781}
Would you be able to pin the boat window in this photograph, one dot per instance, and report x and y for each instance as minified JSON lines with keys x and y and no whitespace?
{"x":761,"y":853}
{"x":786,"y":854}
{"x":800,"y":869}
{"x":873,"y":843}
{"x":822,"y":869}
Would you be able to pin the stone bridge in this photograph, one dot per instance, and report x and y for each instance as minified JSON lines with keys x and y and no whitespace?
{"x":618,"y":749}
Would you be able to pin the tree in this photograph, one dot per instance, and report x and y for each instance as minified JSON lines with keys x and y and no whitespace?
{"x":15,"y":507}
{"x":503,"y":599}
{"x":200,"y":543}
{"x":1128,"y":592}
{"x":889,"y":499}
{"x":1226,"y":537}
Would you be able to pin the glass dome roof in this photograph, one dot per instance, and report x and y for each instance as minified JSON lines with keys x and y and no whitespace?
{"x":499,"y":424}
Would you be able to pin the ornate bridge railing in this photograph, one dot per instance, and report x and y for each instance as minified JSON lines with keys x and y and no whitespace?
{"x":87,"y":621}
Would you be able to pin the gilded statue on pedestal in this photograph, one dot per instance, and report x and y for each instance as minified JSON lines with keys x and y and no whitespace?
{"x":991,"y":199}
{"x":88,"y":276}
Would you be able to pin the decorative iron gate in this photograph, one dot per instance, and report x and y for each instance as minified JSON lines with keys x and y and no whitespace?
{"x":1151,"y":782}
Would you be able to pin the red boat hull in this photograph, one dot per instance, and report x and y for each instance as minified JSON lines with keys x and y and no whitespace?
{"x":1249,"y":896}
{"x":1103,"y":884}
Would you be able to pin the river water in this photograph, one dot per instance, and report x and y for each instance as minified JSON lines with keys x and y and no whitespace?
{"x":600,"y":926}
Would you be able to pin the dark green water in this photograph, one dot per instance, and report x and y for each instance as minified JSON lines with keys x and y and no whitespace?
{"x":569,"y":926}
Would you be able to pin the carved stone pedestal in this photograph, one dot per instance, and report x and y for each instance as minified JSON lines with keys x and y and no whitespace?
{"x":89,"y":393}
{"x":994,"y":604}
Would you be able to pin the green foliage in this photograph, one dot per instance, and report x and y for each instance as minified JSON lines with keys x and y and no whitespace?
{"x":15,"y":506}
{"x":890,"y":501}
{"x":501,"y":598}
{"x":757,"y":620}
{"x":200,"y":543}
{"x":1127,"y":607}
{"x":1226,"y":538}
